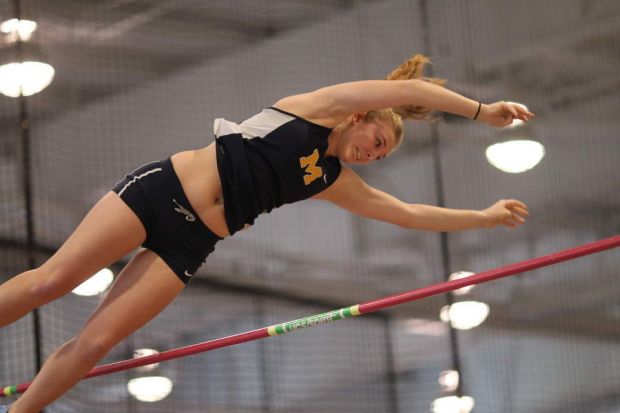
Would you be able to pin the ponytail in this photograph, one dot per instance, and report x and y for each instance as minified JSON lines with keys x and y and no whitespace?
{"x":413,"y":68}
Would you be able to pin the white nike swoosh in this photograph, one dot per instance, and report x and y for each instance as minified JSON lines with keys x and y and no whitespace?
{"x":188,"y":274}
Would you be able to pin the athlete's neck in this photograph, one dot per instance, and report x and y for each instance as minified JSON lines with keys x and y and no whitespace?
{"x":332,"y":142}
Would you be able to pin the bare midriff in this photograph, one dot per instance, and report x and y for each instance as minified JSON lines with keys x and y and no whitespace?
{"x":197,"y":171}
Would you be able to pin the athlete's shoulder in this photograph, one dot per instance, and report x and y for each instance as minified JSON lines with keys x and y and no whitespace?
{"x":310,"y":107}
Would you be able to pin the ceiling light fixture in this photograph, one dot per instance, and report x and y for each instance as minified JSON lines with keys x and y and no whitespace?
{"x":96,"y":284}
{"x":149,"y":386}
{"x":18,"y":29}
{"x":518,"y":151}
{"x":449,"y":380}
{"x":143,"y":352}
{"x":23,"y":72}
{"x":465,"y":315}
{"x":459,"y":275}
{"x":453,"y":404}
{"x":515,"y":156}
{"x":150,"y":389}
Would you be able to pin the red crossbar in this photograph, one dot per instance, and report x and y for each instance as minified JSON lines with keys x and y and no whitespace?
{"x":360,"y":309}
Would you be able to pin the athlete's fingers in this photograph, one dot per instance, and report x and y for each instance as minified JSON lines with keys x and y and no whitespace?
{"x":511,"y":109}
{"x":521,"y":211}
{"x":511,"y":203}
{"x":517,"y":207}
{"x":522,"y":112}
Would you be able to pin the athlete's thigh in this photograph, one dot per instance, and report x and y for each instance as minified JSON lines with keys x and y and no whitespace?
{"x":108,"y":232}
{"x":143,"y":289}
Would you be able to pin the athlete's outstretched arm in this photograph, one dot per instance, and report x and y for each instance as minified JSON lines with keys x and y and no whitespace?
{"x":335,"y":103}
{"x":353,"y":194}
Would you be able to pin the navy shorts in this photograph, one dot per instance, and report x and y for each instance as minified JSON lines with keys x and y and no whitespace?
{"x":173,"y":229}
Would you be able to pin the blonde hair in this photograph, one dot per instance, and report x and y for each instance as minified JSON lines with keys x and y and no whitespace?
{"x":412,"y":68}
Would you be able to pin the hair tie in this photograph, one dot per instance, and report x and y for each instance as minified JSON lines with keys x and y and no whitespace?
{"x":478,"y":112}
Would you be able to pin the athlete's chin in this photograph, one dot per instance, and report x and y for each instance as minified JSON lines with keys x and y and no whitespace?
{"x":349,"y":160}
{"x":351,"y":157}
{"x":348,"y":156}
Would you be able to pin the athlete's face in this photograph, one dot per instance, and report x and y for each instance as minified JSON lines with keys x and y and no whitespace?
{"x":365,"y":141}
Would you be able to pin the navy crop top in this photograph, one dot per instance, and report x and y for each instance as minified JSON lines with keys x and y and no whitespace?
{"x":271,"y":159}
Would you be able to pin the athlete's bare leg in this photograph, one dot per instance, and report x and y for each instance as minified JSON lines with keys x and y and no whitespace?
{"x":108,"y":232}
{"x":144,"y":288}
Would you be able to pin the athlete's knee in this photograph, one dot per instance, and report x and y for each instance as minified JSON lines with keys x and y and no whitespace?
{"x":51,"y":282}
{"x":95,"y":346}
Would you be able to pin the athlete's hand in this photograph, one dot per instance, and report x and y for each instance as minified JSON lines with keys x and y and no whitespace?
{"x":502,"y":113}
{"x":508,"y":212}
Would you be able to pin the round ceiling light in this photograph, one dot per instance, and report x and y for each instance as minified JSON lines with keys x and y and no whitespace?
{"x":515,"y":156}
{"x":27,"y":78}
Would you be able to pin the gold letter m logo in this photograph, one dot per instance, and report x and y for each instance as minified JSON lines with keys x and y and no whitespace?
{"x":309,"y":164}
